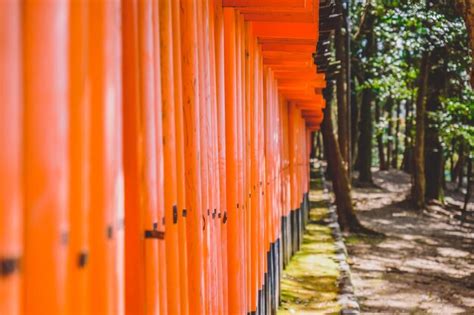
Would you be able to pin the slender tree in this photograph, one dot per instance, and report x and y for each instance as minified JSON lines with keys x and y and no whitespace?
{"x":367,"y":103}
{"x":419,"y":149}
{"x":434,"y":161}
{"x":396,"y":136}
{"x":355,"y":117}
{"x":380,"y":147}
{"x":469,"y":187}
{"x":389,"y":108}
{"x":407,"y":163}
{"x":466,"y":9}
{"x":340,"y":181}
{"x":341,"y":86}
{"x":458,"y":171}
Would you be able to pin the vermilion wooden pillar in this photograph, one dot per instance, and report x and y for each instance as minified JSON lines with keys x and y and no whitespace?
{"x":301,"y":152}
{"x":169,"y":152}
{"x":106,"y":180}
{"x":11,"y":134}
{"x":150,"y":158}
{"x":204,"y":99}
{"x":234,"y":253}
{"x":221,"y":131}
{"x":240,"y":117}
{"x":180,"y":166}
{"x":160,"y":215}
{"x":261,"y":174}
{"x":214,"y":188}
{"x":190,"y":78}
{"x":78,"y":270}
{"x":309,"y":144}
{"x":136,"y":289}
{"x":253,"y":168}
{"x":266,"y":163}
{"x":286,"y":182}
{"x":245,"y":157}
{"x":45,"y":27}
{"x":292,"y":156}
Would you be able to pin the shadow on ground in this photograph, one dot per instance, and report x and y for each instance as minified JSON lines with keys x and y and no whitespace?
{"x":424,"y":265}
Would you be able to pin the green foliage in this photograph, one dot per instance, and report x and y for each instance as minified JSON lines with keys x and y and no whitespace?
{"x":403,"y":31}
{"x":456,"y":119}
{"x":381,"y":126}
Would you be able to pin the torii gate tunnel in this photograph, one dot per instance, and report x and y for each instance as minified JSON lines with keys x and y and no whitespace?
{"x":154,"y":153}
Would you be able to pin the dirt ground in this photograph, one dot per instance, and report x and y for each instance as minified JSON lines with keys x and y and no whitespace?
{"x":425,"y":264}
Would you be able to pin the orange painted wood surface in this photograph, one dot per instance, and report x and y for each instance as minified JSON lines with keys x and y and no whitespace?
{"x":151,"y":152}
{"x":11,"y":169}
{"x":45,"y":155}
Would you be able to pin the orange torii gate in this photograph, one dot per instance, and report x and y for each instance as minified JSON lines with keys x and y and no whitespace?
{"x":155,"y":153}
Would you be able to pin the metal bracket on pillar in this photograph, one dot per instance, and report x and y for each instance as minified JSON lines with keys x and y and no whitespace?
{"x":8,"y":266}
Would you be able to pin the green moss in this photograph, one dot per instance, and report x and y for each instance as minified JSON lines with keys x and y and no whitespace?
{"x":309,"y":282}
{"x":316,"y":183}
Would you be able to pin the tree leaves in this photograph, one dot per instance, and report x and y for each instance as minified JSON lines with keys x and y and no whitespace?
{"x":456,"y":119}
{"x":404,"y":30}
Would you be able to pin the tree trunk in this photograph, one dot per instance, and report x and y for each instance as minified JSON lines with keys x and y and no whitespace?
{"x":459,"y":167}
{"x":466,"y":8}
{"x":461,"y":173}
{"x":389,"y":130}
{"x":365,"y":140}
{"x":434,"y":162}
{"x":367,"y":102}
{"x":355,"y":117}
{"x":357,"y":157}
{"x":443,"y":177}
{"x":346,"y":215}
{"x":451,"y":159}
{"x":407,"y":163}
{"x":382,"y":163}
{"x":469,"y":186}
{"x":419,"y":148}
{"x":341,"y":88}
{"x":327,"y":174}
{"x":397,"y":130}
{"x":320,"y":152}
{"x":433,"y":147}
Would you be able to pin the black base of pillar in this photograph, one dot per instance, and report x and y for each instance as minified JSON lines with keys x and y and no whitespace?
{"x":279,"y":269}
{"x":283,"y":240}
{"x":266,"y":302}
{"x":259,"y":302}
{"x":279,"y":254}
